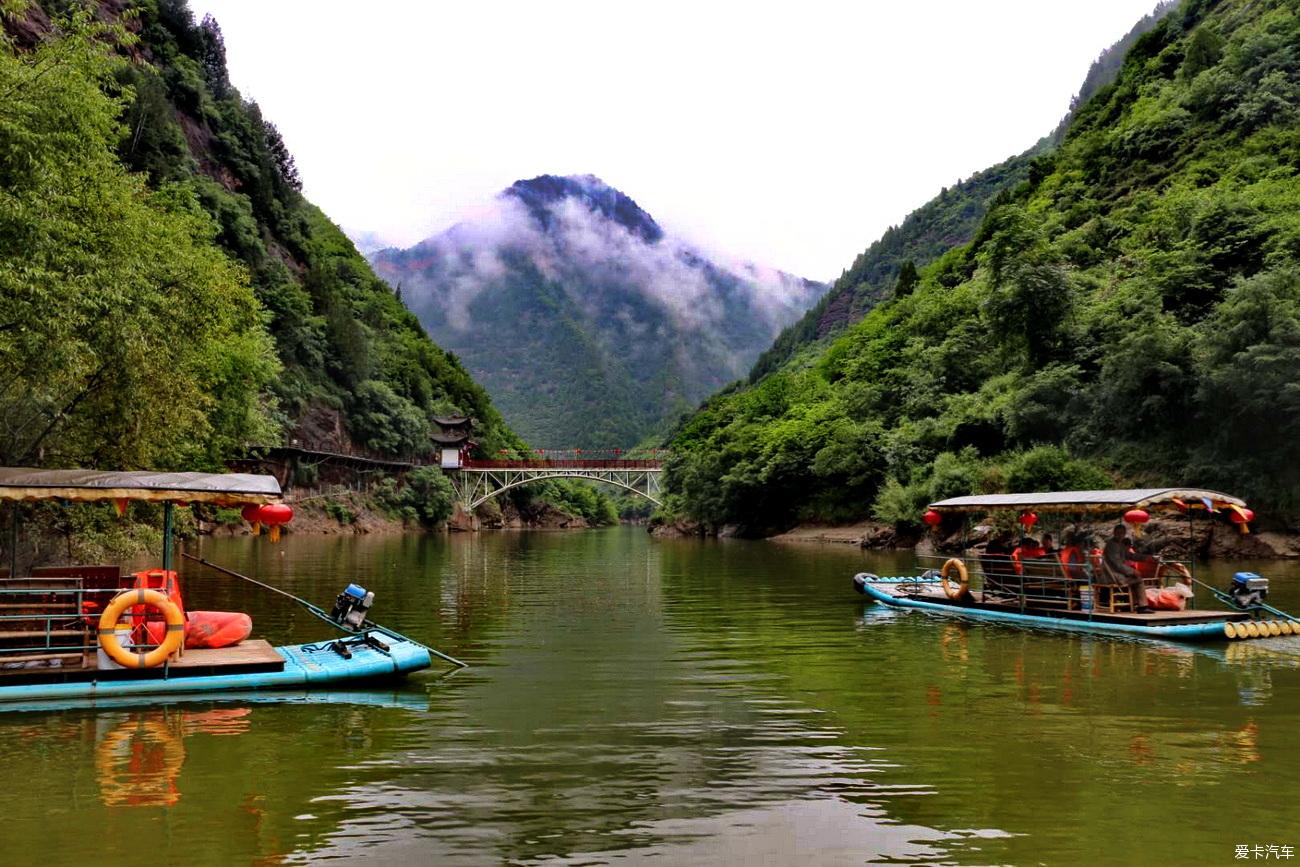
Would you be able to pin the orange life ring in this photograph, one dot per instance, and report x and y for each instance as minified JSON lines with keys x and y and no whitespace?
{"x":964,"y":587}
{"x":140,"y":659}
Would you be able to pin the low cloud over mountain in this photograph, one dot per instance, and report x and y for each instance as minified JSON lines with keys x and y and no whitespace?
{"x":589,"y":324}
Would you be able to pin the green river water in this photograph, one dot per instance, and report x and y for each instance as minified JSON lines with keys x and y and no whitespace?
{"x":684,"y":701}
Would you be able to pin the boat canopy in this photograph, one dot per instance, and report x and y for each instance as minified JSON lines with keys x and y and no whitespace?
{"x":26,"y":483}
{"x":1171,"y":499}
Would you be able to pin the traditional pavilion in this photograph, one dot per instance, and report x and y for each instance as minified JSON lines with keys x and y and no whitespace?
{"x":453,"y":439}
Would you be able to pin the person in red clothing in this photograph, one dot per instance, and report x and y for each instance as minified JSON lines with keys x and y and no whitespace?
{"x":1072,"y":557}
{"x":1028,"y":549}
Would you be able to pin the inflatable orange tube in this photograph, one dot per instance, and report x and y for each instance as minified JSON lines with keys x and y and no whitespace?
{"x":208,"y":629}
{"x":217,"y":628}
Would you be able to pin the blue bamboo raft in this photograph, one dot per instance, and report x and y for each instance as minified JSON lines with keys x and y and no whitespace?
{"x":1181,"y":626}
{"x":82,"y":633}
{"x":1083,"y":586}
{"x":253,"y":665}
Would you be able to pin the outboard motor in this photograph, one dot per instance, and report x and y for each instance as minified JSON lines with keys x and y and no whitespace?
{"x":1248,"y":589}
{"x":352,"y":606}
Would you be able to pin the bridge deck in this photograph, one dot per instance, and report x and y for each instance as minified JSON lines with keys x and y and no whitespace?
{"x":563,"y":464}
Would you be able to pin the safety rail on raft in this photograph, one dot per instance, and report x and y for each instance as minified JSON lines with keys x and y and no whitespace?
{"x":1044,"y":583}
{"x":69,"y":612}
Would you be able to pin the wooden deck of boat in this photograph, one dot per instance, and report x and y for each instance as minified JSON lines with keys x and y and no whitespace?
{"x":1151,"y":618}
{"x":247,"y":657}
{"x":250,"y":652}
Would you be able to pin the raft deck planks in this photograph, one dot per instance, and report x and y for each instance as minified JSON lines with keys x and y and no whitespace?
{"x":248,"y":657}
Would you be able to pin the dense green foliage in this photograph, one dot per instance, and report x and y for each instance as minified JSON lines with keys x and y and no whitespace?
{"x":127,"y":338}
{"x":888,"y":266}
{"x":1107,"y":66}
{"x":157,"y":258}
{"x":426,"y":496}
{"x":1133,"y":306}
{"x":167,"y":295}
{"x":344,"y":340}
{"x":945,"y":221}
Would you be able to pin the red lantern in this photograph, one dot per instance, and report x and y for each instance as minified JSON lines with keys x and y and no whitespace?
{"x":932,"y":518}
{"x":274,"y":515}
{"x":252,"y":513}
{"x":1135,"y":518}
{"x":1028,"y":520}
{"x":1241,"y":517}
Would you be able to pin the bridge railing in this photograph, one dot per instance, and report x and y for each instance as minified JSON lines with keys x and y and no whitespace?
{"x":561,"y":464}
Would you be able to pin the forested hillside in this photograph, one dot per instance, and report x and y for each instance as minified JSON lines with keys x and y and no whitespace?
{"x":949,"y":219}
{"x":1130,"y":312}
{"x":167,"y":293}
{"x":590,"y":325}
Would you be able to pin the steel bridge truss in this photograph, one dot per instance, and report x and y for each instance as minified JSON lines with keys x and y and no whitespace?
{"x":474,"y":486}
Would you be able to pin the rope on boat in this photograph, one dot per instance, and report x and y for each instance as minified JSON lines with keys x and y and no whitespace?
{"x":317,"y":610}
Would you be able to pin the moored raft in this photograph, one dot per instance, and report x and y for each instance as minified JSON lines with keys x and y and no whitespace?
{"x":1083,"y":588}
{"x":377,"y":654}
{"x":80,"y":632}
{"x":1198,"y":626}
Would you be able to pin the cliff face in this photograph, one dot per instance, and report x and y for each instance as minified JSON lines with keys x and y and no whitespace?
{"x":589,"y":324}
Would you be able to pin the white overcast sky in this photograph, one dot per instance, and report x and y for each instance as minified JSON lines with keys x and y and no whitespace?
{"x":791,"y":134}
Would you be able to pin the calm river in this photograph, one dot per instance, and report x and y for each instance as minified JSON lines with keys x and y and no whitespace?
{"x":695,"y":702}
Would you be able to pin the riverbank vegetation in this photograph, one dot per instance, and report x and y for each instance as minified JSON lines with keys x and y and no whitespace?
{"x":1128,"y":313}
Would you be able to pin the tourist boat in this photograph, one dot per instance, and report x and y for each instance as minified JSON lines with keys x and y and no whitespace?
{"x":94,"y":632}
{"x":1077,"y":590}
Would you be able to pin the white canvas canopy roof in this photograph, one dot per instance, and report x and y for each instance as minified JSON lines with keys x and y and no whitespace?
{"x":25,"y":483}
{"x":1092,"y":501}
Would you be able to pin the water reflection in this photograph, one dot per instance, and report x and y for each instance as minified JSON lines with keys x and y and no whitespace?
{"x":692,"y":701}
{"x":139,"y":758}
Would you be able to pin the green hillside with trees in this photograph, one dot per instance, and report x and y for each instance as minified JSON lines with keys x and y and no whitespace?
{"x":942,"y":223}
{"x":167,"y":294}
{"x":1129,"y":312}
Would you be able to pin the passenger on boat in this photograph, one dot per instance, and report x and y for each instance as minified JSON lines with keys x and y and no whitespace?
{"x":1143,"y":563}
{"x":1049,"y":545}
{"x":1028,"y":549}
{"x":1073,"y":560}
{"x":1118,"y":553}
{"x":996,"y":564}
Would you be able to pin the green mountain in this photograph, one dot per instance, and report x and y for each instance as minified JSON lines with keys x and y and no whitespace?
{"x":1130,"y":311}
{"x":166,"y":292}
{"x":947,"y":220}
{"x":590,"y":325}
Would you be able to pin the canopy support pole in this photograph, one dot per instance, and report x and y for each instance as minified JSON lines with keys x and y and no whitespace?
{"x":13,"y":539}
{"x":168,"y":508}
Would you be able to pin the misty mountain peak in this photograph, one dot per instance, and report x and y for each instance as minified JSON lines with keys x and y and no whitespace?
{"x":590,"y":325}
{"x":539,"y":194}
